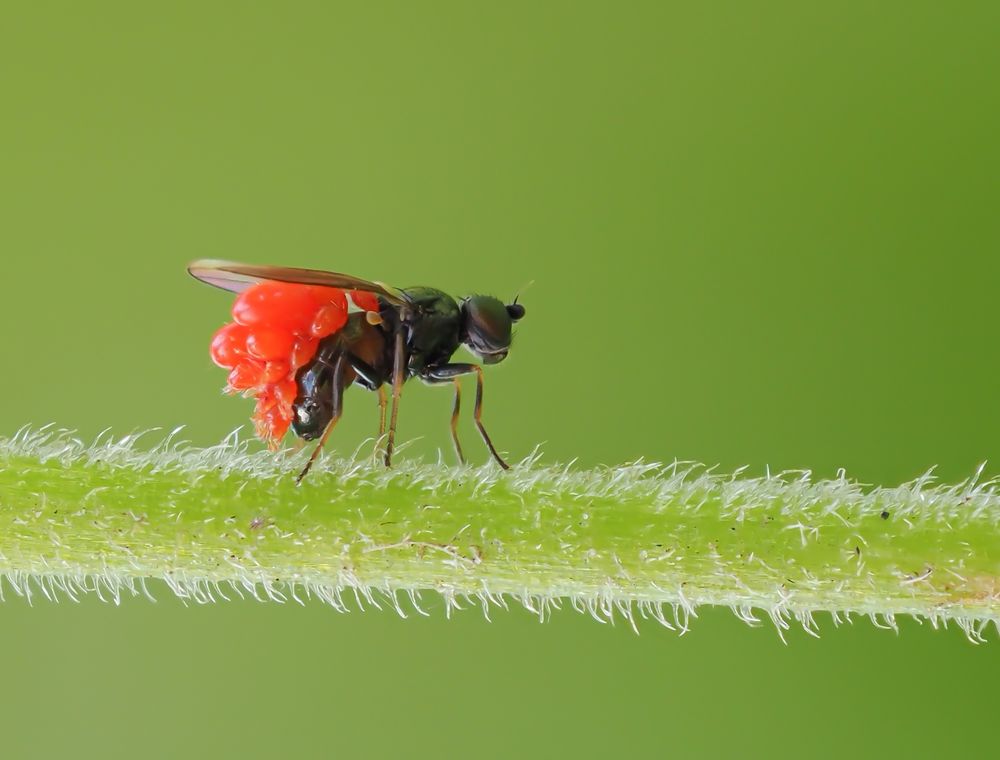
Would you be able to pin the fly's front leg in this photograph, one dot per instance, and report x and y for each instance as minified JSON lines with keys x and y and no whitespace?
{"x":450,"y":373}
{"x":454,"y":421}
{"x":429,"y":377}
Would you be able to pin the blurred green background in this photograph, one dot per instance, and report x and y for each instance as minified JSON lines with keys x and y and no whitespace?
{"x":759,"y":234}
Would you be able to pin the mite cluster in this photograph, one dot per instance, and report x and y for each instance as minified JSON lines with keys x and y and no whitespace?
{"x":276,"y":330}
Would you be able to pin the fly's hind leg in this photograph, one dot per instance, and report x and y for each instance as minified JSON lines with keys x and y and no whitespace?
{"x":373,"y":380}
{"x":383,"y":402}
{"x":398,"y":378}
{"x":336,"y":409}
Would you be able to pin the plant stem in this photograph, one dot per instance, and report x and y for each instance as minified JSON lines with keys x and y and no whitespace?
{"x":638,"y":540}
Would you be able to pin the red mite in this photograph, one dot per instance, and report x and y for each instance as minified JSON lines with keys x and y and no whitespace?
{"x":300,"y":337}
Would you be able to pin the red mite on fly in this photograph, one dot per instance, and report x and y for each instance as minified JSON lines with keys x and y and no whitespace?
{"x":300,"y":337}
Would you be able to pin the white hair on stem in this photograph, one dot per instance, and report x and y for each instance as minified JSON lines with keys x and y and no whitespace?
{"x":637,"y":542}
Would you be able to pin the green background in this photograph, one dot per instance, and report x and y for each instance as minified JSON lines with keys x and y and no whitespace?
{"x":759,"y":234}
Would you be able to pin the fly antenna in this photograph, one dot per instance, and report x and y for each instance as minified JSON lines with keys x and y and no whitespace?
{"x":521,"y":290}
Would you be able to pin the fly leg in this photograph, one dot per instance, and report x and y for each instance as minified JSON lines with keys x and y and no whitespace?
{"x":429,"y":377}
{"x":336,"y":409}
{"x":398,"y":377}
{"x":454,"y":421}
{"x":445,"y":373}
{"x":373,"y":380}
{"x":383,"y":402}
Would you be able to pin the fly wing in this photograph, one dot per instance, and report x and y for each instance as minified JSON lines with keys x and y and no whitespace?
{"x":236,"y":277}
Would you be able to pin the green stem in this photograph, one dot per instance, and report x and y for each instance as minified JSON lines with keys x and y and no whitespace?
{"x":633,"y":541}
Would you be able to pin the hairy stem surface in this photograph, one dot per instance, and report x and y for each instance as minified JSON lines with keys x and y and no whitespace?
{"x":639,"y":540}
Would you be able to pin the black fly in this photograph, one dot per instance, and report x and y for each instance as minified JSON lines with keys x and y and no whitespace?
{"x":414,"y":333}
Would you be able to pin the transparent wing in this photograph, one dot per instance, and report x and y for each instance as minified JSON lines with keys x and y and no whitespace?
{"x":236,"y":277}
